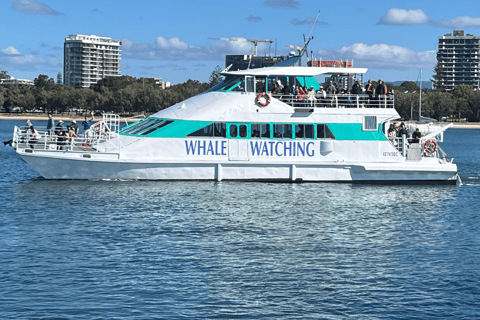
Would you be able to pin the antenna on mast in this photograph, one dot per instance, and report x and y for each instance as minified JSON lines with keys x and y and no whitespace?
{"x":306,"y":41}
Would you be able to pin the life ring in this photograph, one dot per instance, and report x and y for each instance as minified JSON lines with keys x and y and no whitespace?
{"x":430,"y":146}
{"x":263,"y":99}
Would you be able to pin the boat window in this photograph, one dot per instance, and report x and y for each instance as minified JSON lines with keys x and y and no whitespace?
{"x":217,"y":129}
{"x":250,"y":84}
{"x":144,"y":125}
{"x":243,"y":130}
{"x":304,"y":131}
{"x":260,"y":84}
{"x":155,"y":127}
{"x":231,"y":83}
{"x":369,"y":123}
{"x":323,"y":132}
{"x":233,"y":130}
{"x":282,"y":131}
{"x":260,"y":130}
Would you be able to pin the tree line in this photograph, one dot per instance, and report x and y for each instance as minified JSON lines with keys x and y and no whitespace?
{"x":462,"y":103}
{"x":124,"y":95}
{"x":127,"y":95}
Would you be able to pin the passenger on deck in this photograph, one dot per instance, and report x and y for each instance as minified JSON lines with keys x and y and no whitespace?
{"x":287,"y":90}
{"x":311,"y":96}
{"x":50,"y":124}
{"x":300,"y":94}
{"x":357,"y":88}
{"x":416,"y":136}
{"x":331,"y":88}
{"x":280,"y":85}
{"x":381,"y":89}
{"x":74,"y":126}
{"x":60,"y":132}
{"x":392,"y":131}
{"x":31,"y":133}
{"x":402,"y":131}
{"x":87,"y":123}
{"x":369,"y":89}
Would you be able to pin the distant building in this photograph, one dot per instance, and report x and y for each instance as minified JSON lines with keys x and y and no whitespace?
{"x":459,"y":57}
{"x":89,"y":58}
{"x":15,"y":83}
{"x":244,"y":62}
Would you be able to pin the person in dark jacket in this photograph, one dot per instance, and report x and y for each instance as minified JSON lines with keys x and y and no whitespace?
{"x":402,"y":131}
{"x":60,"y":132}
{"x":381,"y":89}
{"x":416,"y":136}
{"x":357,"y":88}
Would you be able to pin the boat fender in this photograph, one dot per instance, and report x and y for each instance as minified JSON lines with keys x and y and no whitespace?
{"x":263,"y":99}
{"x":430,"y":146}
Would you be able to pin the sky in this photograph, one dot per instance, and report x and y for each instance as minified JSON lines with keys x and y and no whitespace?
{"x":170,"y":39}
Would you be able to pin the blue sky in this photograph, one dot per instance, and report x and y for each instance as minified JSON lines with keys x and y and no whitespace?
{"x":169,"y":39}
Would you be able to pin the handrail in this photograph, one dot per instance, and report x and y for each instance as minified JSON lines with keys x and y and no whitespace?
{"x":337,"y":100}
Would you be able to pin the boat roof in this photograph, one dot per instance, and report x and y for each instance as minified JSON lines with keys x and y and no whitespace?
{"x":295,"y":71}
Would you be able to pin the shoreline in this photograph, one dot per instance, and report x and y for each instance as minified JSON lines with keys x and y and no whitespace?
{"x":471,"y":125}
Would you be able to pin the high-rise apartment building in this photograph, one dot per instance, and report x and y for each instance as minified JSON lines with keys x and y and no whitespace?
{"x":87,"y":59}
{"x":459,"y":57}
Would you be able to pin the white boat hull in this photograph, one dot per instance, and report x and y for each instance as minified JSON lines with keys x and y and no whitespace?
{"x":81,"y":168}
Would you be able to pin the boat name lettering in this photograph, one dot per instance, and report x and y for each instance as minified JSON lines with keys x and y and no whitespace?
{"x":282,"y":148}
{"x":390,"y":154}
{"x":205,"y":147}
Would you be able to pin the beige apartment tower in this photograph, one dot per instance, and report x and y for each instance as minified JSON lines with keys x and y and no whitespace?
{"x":89,"y":58}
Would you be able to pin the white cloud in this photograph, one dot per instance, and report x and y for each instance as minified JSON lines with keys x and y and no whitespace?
{"x":382,"y":56}
{"x":402,"y":17}
{"x":173,"y":43}
{"x":33,"y":7}
{"x":10,"y":50}
{"x":176,"y":49}
{"x":459,"y":22}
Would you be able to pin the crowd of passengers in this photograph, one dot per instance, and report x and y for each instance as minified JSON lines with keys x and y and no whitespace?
{"x":60,"y":134}
{"x":332,"y":95}
{"x":399,"y":130}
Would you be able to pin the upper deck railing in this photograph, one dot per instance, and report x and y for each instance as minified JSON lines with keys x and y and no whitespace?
{"x":337,"y":100}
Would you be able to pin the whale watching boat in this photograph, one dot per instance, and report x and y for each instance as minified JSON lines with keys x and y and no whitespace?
{"x":244,"y":129}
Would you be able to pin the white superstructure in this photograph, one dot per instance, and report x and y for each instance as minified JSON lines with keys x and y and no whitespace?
{"x":243,"y":129}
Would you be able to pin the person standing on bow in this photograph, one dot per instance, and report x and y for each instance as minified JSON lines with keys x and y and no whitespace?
{"x":50,"y":124}
{"x":88,"y":122}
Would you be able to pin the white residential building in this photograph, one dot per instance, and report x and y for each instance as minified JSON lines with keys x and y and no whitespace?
{"x":459,"y":58}
{"x":89,"y":58}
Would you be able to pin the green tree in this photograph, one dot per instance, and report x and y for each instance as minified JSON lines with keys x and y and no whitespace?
{"x":215,"y":77}
{"x":4,"y":74}
{"x":437,"y":77}
{"x":43,"y":80}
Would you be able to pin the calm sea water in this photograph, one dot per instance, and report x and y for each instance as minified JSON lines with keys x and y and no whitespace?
{"x":205,"y":250}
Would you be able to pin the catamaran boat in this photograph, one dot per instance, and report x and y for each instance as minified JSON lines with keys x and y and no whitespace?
{"x":243,"y":129}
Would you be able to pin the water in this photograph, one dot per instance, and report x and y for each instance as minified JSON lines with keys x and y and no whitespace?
{"x":205,"y":250}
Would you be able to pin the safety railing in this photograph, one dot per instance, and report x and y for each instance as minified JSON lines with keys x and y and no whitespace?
{"x":319,"y":100}
{"x":55,"y":141}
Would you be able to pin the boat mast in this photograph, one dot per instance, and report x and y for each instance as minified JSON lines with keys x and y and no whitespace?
{"x":420,"y":102}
